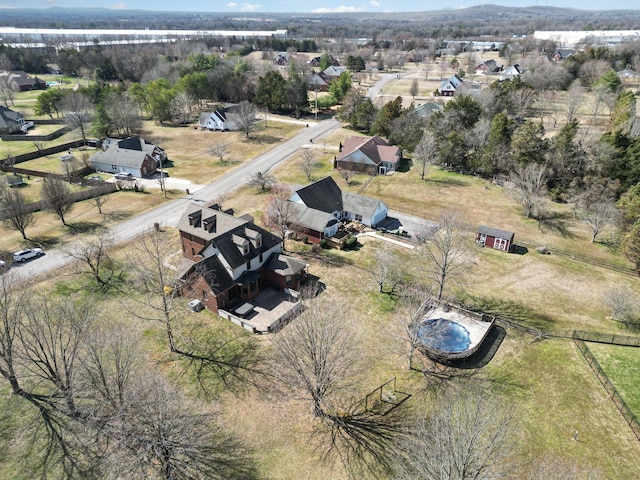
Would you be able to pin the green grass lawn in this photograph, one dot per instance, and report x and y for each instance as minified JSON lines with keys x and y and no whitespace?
{"x":622,"y":366}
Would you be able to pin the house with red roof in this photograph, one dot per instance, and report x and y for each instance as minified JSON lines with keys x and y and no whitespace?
{"x":370,"y":155}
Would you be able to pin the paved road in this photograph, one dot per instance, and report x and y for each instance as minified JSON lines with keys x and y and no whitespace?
{"x":169,"y":213}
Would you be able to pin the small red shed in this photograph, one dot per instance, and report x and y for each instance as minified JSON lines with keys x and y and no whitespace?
{"x":495,"y":238}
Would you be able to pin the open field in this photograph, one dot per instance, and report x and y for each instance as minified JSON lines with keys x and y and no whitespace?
{"x":622,"y":366}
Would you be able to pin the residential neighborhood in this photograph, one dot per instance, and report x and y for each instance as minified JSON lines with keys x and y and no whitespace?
{"x":335,"y":247}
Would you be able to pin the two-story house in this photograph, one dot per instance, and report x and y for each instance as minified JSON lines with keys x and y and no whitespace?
{"x":228,"y":260}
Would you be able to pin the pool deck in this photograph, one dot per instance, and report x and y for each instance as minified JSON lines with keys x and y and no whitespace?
{"x":477,"y":329}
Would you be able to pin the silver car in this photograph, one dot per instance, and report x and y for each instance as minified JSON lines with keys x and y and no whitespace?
{"x":27,"y":254}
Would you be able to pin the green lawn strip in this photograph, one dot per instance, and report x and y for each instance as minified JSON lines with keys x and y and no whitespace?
{"x":622,"y":367}
{"x":554,"y":394}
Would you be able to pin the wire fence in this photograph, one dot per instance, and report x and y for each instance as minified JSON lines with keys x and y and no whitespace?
{"x":580,"y":339}
{"x":580,"y":257}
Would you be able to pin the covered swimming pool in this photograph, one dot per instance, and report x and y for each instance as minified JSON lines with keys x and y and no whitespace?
{"x":451,"y":333}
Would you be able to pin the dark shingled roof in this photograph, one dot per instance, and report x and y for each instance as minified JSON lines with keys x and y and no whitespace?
{"x":225,"y":232}
{"x":284,"y":264}
{"x":214,"y":273}
{"x":230,"y":251}
{"x":496,"y":232}
{"x":324,"y":195}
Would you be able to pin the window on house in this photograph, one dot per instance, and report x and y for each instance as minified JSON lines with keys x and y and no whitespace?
{"x":205,"y":294}
{"x":260,"y":258}
{"x":249,"y":265}
{"x":288,"y":280}
{"x":358,"y":218}
{"x":193,"y":251}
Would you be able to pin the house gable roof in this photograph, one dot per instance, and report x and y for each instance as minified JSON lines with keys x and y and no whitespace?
{"x":428,"y":109}
{"x":365,"y":206}
{"x":496,"y":232}
{"x":213,"y":273}
{"x":231,"y":236}
{"x":9,"y":117}
{"x":120,"y":157}
{"x":284,"y":264}
{"x":323,"y":195}
{"x":136,"y":143}
{"x":311,"y":218}
{"x":374,"y":148}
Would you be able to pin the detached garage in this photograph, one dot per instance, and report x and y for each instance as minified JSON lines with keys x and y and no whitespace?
{"x":495,"y":238}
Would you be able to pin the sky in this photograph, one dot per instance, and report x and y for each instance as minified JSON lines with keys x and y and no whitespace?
{"x":323,"y":6}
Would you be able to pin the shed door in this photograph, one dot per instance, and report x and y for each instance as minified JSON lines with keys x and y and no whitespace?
{"x":500,"y":244}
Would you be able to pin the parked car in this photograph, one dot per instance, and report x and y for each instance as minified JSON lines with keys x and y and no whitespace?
{"x":27,"y":254}
{"x":124,"y":176}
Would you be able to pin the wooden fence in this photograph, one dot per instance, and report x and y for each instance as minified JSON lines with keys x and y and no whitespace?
{"x":580,"y":338}
{"x":102,"y":189}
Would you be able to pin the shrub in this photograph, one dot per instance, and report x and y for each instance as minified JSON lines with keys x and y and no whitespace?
{"x":323,"y":243}
{"x":351,"y":243}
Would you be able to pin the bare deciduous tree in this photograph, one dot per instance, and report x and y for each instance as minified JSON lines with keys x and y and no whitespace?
{"x":279,"y":210}
{"x":245,"y":117}
{"x":574,"y":100}
{"x":263,"y":181}
{"x":93,"y":259}
{"x":529,"y":184}
{"x":347,"y":176}
{"x":446,"y":250}
{"x":521,"y":101}
{"x":308,"y":162}
{"x":124,"y":113}
{"x":19,"y":217}
{"x":76,"y":109}
{"x":99,"y":202}
{"x":214,"y":356}
{"x":93,"y":406}
{"x":219,"y":149}
{"x":385,"y":270}
{"x":182,"y":108}
{"x":469,"y":435}
{"x":316,"y":361}
{"x":599,"y":216}
{"x":425,"y":153}
{"x":623,"y":303}
{"x":57,"y":198}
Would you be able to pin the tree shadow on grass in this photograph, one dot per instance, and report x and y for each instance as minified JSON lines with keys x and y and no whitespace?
{"x":84,"y":227}
{"x":508,"y":309}
{"x":48,"y":242}
{"x":447,"y":182}
{"x":557,"y":222}
{"x":117,"y":216}
{"x":261,"y":139}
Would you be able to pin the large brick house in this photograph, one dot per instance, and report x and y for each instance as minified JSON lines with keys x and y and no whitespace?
{"x":228,"y":260}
